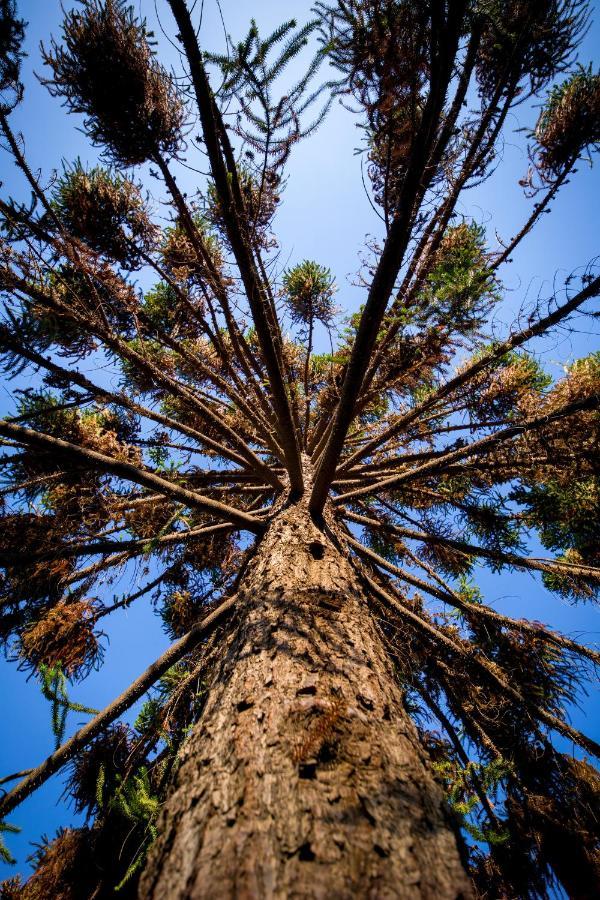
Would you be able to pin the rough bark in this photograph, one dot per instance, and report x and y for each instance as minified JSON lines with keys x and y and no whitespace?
{"x":304,"y":777}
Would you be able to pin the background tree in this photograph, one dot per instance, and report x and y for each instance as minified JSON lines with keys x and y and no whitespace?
{"x":309,"y":522}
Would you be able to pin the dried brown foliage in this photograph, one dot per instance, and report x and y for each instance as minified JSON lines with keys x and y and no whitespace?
{"x":148,"y":519}
{"x":569,"y":124}
{"x":64,"y":636}
{"x":260,"y":195}
{"x":181,"y":257}
{"x":65,"y":870}
{"x":106,"y":212}
{"x":130,"y":104}
{"x":28,"y":579}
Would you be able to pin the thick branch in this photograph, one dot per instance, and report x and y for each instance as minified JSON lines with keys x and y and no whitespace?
{"x":81,"y":738}
{"x":496,"y":353}
{"x":129,"y":472}
{"x":418,"y":177}
{"x":232,"y":214}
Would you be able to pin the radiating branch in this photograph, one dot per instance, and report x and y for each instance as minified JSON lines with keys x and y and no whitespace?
{"x":126,"y":470}
{"x":592,"y":289}
{"x":110,"y":713}
{"x":470,"y":450}
{"x":497,"y":556}
{"x":228,"y":189}
{"x":475,"y":610}
{"x":94,"y":547}
{"x":491,"y":672}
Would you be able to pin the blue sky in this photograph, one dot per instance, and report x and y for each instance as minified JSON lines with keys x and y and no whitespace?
{"x":325,"y":216}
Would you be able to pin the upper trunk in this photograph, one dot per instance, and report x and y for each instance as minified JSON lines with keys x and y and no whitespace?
{"x":304,"y":776}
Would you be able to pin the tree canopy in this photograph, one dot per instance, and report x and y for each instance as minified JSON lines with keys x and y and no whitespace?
{"x":434,"y":444}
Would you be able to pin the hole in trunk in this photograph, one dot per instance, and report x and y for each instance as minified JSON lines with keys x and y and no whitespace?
{"x":305,"y":853}
{"x":328,"y":752}
{"x":307,"y":770}
{"x":316,"y":549}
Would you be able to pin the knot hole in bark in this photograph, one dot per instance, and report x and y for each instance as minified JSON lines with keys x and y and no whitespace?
{"x":316,"y":549}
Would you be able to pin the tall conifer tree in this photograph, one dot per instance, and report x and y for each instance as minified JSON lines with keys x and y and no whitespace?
{"x":341,"y":714}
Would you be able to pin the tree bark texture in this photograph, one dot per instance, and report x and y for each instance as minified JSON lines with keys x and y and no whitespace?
{"x":304,"y":777}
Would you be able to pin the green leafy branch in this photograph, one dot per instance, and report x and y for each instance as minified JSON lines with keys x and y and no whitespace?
{"x":135,"y":800}
{"x":463,"y":798}
{"x":5,"y":854}
{"x":54,"y":689}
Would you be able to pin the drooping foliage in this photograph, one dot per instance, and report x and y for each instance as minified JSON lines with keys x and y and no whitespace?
{"x":431,"y":442}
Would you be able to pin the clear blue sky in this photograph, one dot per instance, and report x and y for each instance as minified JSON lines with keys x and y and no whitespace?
{"x":325,"y":216}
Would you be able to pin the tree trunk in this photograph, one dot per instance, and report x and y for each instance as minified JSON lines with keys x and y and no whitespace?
{"x":304,"y":777}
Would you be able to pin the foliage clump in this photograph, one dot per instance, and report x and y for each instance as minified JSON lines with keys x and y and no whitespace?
{"x":106,"y":71}
{"x":12,"y":32}
{"x":182,"y":258}
{"x":569,"y":123}
{"x":512,"y":387}
{"x":459,"y":289}
{"x":106,"y":211}
{"x":260,"y":194}
{"x":97,"y":292}
{"x":565,"y":514}
{"x":94,"y":773}
{"x":64,"y":869}
{"x":65,"y":636}
{"x":309,"y":288}
{"x":179,"y":612}
{"x":27,"y":585}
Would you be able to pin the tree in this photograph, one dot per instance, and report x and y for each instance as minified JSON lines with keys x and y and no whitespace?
{"x":340,"y":714}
